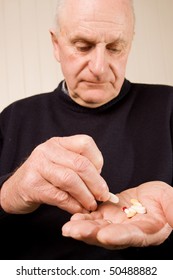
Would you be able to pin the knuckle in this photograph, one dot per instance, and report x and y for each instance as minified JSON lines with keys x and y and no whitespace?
{"x":81,"y":164}
{"x":38,"y":151}
{"x":35,"y":158}
{"x":62,"y":197}
{"x":87,"y":141}
{"x":45,"y":145}
{"x":67,"y":177}
{"x":100,"y":160}
{"x":52,"y":140}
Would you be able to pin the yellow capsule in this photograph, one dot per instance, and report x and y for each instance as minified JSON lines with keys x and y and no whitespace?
{"x":135,"y":202}
{"x":131,"y":213}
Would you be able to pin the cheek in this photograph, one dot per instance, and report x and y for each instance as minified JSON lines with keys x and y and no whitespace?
{"x":119,"y":68}
{"x":71,"y":65}
{"x":70,"y":72}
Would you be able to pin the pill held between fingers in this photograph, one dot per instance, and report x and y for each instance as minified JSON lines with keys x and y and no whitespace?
{"x":113,"y":198}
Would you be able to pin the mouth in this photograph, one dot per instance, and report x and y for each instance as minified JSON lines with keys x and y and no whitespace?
{"x":94,"y":83}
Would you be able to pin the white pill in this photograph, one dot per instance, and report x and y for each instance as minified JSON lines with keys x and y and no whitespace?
{"x":139,"y":209}
{"x":113,"y":198}
{"x":130,"y":213}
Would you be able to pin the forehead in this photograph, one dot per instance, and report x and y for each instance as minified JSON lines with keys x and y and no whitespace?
{"x":95,"y":36}
{"x":97,"y":17}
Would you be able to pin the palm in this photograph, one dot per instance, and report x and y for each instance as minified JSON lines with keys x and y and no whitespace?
{"x":109,"y":226}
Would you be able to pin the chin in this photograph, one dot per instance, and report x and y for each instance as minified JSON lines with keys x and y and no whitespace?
{"x":93,"y":100}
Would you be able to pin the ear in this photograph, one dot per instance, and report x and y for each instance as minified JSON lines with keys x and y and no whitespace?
{"x":55,"y":44}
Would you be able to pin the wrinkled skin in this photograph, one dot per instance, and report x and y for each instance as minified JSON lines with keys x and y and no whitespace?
{"x":63,"y":171}
{"x":109,"y":226}
{"x":95,"y":40}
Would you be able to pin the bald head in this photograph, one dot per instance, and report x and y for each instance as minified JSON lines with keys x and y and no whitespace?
{"x":92,"y":40}
{"x":63,"y":5}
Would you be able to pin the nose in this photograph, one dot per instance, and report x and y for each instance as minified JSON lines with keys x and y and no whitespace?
{"x":98,"y":62}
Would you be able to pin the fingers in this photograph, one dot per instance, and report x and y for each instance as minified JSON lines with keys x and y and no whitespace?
{"x":139,"y":231}
{"x":160,"y":194}
{"x":88,"y":216}
{"x":131,"y":234}
{"x":63,"y":172}
{"x":102,"y":233}
{"x":68,"y":182}
{"x":121,"y":236}
{"x":84,"y":145}
{"x":85,"y":169}
{"x":85,"y":230}
{"x":24,"y":192}
{"x":167,"y":203}
{"x":53,"y":196}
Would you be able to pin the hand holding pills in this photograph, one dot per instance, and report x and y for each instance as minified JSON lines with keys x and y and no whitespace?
{"x":112,"y":226}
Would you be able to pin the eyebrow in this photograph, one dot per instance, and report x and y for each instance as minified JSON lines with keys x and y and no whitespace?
{"x":84,"y":38}
{"x":89,"y":40}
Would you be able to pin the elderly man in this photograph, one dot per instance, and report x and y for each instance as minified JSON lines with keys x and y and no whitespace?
{"x":62,"y":153}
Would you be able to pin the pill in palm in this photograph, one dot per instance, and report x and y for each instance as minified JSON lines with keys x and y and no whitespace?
{"x":130,"y":212}
{"x":135,"y":208}
{"x":139,"y":209}
{"x":135,"y":202}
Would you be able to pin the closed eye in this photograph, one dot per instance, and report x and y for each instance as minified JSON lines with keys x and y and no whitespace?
{"x":114,"y":49}
{"x":83,"y":48}
{"x":82,"y":45}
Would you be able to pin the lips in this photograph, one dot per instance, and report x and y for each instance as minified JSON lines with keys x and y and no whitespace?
{"x":94,"y":83}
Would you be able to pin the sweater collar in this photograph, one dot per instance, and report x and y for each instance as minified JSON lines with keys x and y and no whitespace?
{"x":63,"y":94}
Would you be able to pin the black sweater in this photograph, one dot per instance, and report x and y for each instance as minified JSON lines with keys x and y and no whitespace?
{"x":134,"y":133}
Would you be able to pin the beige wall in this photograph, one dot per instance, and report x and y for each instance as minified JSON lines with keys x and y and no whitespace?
{"x":27,"y":64}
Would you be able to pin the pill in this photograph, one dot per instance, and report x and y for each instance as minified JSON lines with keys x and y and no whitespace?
{"x":113,"y":198}
{"x":139,"y":209}
{"x":126,"y":210}
{"x":135,"y":208}
{"x":130,"y":213}
{"x":135,"y":202}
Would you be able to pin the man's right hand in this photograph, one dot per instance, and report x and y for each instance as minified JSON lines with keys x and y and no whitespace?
{"x":63,"y":171}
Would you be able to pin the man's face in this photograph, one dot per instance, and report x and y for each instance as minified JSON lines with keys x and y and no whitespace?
{"x":93,"y":46}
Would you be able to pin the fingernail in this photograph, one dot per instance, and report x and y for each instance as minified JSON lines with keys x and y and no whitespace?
{"x":65,"y":232}
{"x":93,"y":206}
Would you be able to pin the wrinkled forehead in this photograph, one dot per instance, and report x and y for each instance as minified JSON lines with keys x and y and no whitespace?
{"x":99,"y":13}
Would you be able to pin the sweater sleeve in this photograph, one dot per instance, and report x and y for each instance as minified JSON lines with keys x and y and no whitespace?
{"x":2,"y":180}
{"x":3,"y":177}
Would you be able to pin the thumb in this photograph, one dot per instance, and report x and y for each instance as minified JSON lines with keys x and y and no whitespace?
{"x":167,"y":204}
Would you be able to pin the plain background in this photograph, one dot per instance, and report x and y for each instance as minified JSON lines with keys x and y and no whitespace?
{"x":27,"y":63}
